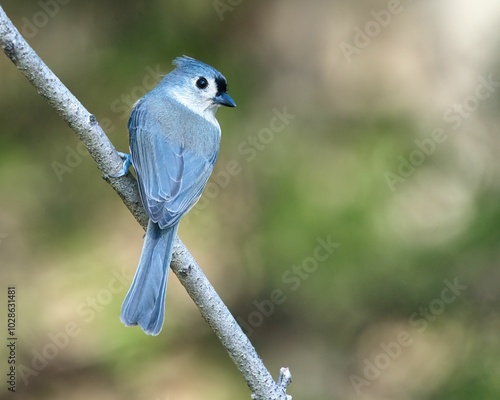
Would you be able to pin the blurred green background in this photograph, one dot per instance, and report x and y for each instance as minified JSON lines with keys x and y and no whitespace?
{"x":390,"y":152}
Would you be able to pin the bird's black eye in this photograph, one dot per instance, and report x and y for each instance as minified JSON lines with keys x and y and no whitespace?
{"x":201,"y":83}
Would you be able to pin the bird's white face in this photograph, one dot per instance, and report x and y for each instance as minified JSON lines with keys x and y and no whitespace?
{"x":199,"y":95}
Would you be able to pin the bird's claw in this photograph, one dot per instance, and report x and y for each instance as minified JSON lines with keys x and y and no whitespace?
{"x":127,"y":162}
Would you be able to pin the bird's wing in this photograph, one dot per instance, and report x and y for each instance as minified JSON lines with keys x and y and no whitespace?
{"x":171,"y":177}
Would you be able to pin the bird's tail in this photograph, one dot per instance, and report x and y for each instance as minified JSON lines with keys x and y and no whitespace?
{"x":144,"y":304}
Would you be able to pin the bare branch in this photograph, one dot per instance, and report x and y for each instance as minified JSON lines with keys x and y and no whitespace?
{"x":109,"y":162}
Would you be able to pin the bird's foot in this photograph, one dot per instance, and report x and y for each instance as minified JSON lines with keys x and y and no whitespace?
{"x":127,"y":162}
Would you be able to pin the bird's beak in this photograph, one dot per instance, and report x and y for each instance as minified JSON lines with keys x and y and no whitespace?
{"x":224,"y":99}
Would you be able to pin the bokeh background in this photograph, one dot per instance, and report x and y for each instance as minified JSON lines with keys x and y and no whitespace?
{"x":390,"y":152}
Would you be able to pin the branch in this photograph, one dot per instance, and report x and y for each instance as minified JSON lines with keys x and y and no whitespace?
{"x":186,"y":269}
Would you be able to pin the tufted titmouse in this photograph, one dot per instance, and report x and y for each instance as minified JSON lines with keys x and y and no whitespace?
{"x":174,"y":143}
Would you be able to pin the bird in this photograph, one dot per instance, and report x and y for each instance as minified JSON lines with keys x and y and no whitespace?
{"x":174,"y":141}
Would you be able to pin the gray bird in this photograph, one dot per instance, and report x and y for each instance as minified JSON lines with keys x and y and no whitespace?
{"x":174,"y":143}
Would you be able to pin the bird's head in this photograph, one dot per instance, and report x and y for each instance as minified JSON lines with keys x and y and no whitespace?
{"x":199,"y":86}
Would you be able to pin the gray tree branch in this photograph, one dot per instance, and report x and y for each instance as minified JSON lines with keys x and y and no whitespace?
{"x":184,"y":266}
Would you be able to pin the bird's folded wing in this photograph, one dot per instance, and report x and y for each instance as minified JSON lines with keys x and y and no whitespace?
{"x":171,"y":178}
